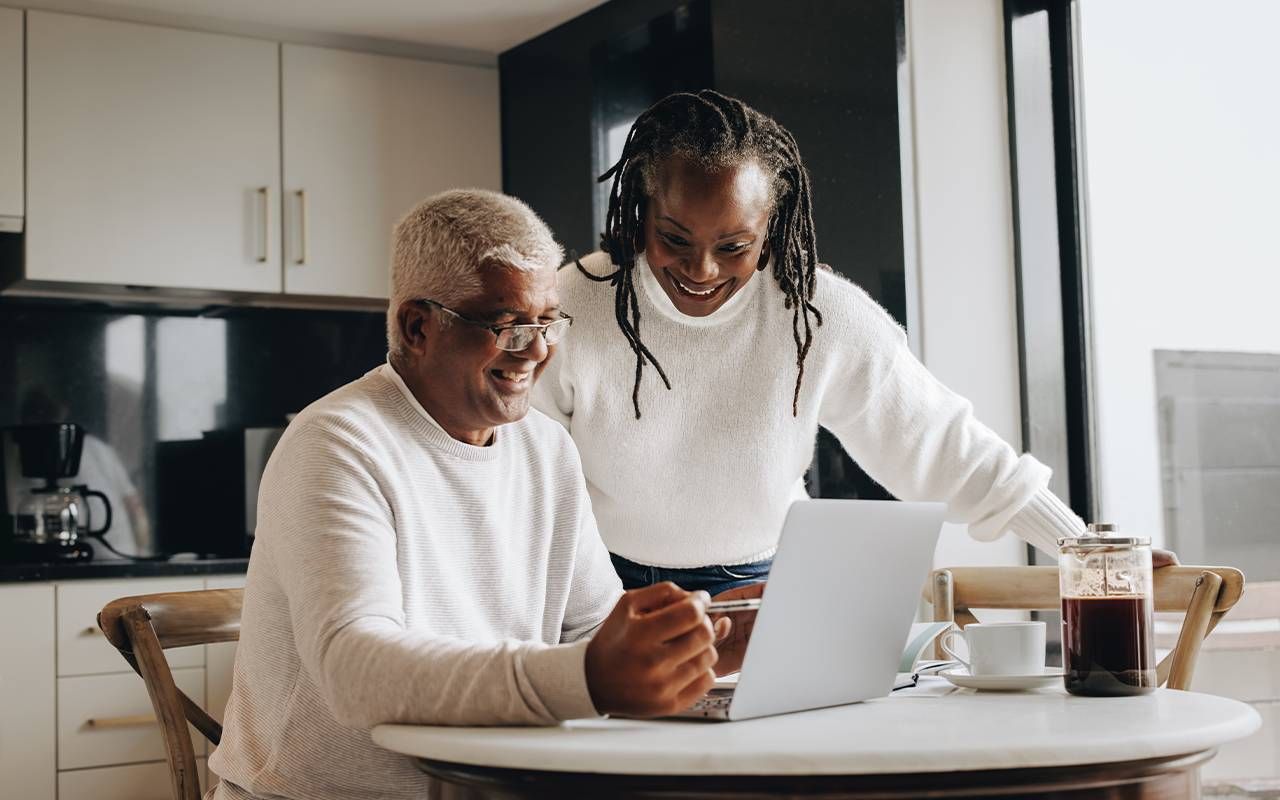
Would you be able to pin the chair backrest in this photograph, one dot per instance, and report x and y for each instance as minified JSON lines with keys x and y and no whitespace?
{"x":1203,"y":594}
{"x":141,"y":628}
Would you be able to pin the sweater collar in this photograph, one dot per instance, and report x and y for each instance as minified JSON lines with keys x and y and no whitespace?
{"x":431,"y":431}
{"x":389,"y":372}
{"x":732,"y":307}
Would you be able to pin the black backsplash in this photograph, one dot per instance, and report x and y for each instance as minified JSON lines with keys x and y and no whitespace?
{"x":133,"y":378}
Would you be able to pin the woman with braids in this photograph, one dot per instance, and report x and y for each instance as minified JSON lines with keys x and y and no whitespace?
{"x":709,"y":344}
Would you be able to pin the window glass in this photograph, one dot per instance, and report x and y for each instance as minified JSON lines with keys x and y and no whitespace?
{"x":1181,"y":126}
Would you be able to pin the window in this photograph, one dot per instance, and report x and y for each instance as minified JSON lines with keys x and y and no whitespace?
{"x":1181,"y":130}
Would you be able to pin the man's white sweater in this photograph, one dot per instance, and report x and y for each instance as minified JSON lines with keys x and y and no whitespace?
{"x":707,"y":473}
{"x":399,"y":575}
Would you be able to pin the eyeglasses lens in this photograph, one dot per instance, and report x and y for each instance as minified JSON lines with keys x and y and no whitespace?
{"x":520,"y":337}
{"x":556,"y":331}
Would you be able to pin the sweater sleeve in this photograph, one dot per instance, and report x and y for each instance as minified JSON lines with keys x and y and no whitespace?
{"x":596,"y":587}
{"x":552,"y":392}
{"x":921,"y":441}
{"x":329,"y":535}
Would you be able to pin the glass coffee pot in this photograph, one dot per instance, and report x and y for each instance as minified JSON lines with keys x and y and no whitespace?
{"x":51,"y":519}
{"x":58,"y":515}
{"x":1106,"y":585}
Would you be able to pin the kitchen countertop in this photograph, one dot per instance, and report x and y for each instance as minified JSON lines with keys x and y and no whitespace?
{"x":61,"y":571}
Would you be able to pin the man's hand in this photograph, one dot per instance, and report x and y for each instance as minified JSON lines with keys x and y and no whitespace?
{"x":733,"y":647}
{"x":653,"y":654}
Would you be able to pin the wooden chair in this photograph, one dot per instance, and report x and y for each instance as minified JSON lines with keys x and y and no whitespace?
{"x":141,"y":628}
{"x":1203,"y":594}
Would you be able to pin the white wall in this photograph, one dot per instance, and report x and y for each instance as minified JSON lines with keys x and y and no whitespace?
{"x":965,"y":239}
{"x":1181,"y":129}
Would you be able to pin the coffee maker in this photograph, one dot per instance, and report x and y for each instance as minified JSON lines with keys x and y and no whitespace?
{"x":50,"y":520}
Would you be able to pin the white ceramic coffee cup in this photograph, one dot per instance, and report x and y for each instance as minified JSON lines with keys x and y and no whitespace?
{"x":999,"y":648}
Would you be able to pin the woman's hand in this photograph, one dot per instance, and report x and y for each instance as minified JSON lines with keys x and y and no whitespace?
{"x":1164,"y":558}
{"x":733,"y":631}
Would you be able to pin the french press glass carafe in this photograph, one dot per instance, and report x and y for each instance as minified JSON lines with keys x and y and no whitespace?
{"x":1105,"y":581}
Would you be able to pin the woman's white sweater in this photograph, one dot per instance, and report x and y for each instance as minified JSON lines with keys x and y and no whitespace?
{"x":707,"y":473}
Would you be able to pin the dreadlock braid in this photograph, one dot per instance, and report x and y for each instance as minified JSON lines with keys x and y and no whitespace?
{"x":716,"y":131}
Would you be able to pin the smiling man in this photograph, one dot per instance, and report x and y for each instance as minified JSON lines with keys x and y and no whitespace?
{"x":426,"y":551}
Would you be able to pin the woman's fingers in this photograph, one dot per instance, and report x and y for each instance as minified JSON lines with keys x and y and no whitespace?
{"x":722,"y":627}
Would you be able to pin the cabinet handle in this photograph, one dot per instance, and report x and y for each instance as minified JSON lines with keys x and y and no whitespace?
{"x":302,"y":226}
{"x":111,"y":723}
{"x":90,"y":631}
{"x":264,"y":193}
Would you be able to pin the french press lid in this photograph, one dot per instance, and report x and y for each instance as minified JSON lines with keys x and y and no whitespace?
{"x":1102,"y":534}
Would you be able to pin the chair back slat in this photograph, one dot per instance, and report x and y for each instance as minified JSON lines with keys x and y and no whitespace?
{"x":142,"y":628}
{"x":1036,"y":588}
{"x":149,"y":658}
{"x":179,"y":618}
{"x":1201,"y":594}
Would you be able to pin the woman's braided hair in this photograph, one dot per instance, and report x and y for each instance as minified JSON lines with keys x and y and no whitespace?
{"x":716,"y":132}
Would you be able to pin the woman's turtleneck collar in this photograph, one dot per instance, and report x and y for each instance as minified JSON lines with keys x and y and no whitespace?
{"x":662,"y":303}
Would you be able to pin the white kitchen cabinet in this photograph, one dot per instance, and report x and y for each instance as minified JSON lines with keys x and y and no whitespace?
{"x":84,"y":650}
{"x":28,"y":732}
{"x":11,"y":119}
{"x":153,"y":156}
{"x":108,"y":719}
{"x":148,"y":781}
{"x":55,"y":677}
{"x":220,"y":661}
{"x":220,"y":658}
{"x":365,"y":138}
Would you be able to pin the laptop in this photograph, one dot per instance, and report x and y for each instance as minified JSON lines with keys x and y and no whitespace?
{"x":843,"y":592}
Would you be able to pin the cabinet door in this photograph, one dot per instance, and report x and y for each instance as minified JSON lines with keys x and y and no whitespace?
{"x":83,"y":650}
{"x":220,"y":659}
{"x":365,"y":138}
{"x":28,"y":733}
{"x":10,"y":119}
{"x":148,"y":781}
{"x":153,"y":156}
{"x":108,"y":719}
{"x":220,"y":662}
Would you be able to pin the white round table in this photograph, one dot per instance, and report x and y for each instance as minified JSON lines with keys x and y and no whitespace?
{"x":960,"y":744}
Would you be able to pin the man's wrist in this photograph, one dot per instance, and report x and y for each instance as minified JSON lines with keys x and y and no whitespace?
{"x":559,"y":677}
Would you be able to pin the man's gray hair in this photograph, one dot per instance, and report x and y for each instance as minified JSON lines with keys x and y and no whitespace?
{"x":440,"y":247}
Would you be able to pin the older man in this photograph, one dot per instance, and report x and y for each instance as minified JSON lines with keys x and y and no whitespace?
{"x":425,"y":548}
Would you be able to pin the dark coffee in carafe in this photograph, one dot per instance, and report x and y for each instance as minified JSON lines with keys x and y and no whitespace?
{"x":1107,"y":645}
{"x":1105,"y":582}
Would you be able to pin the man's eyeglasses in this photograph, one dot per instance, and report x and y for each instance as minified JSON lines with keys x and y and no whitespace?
{"x":513,"y":338}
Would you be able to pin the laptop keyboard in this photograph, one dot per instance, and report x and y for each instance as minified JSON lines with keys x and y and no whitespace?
{"x":713,"y":702}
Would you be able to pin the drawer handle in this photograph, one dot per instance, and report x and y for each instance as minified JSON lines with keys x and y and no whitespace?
{"x":91,"y":631}
{"x":111,"y":723}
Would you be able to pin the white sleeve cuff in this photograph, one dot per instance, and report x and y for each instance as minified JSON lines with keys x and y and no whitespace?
{"x":558,"y":675}
{"x":1045,"y":519}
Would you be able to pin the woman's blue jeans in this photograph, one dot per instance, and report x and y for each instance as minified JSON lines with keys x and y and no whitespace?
{"x":711,"y":579}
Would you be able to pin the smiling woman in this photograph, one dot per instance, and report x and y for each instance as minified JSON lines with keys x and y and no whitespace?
{"x":691,"y":474}
{"x":701,"y":261}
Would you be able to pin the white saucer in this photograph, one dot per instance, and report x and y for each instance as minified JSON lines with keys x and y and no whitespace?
{"x":1002,"y":683}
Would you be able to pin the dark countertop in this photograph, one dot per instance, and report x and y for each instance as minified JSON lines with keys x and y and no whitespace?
{"x":61,"y":571}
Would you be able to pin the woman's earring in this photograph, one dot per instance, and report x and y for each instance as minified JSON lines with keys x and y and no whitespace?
{"x":764,"y":259}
